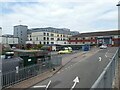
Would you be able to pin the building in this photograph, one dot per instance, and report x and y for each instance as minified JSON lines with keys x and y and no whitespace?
{"x":9,"y":39}
{"x":104,"y":37}
{"x":49,"y":35}
{"x":20,"y":31}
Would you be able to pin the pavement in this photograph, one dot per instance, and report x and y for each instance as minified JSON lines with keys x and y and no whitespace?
{"x":83,"y":69}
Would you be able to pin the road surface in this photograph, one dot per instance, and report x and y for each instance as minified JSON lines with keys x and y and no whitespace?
{"x":81,"y":72}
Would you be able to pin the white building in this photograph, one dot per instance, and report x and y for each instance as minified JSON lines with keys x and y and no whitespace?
{"x":9,"y":39}
{"x":49,"y":36}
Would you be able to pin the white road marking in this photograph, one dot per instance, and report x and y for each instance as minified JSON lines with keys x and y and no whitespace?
{"x":105,"y":55}
{"x":76,"y":80}
{"x":39,"y":86}
{"x":100,"y":59}
{"x":48,"y":85}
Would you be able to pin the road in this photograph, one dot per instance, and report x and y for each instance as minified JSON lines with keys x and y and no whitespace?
{"x":86,"y":68}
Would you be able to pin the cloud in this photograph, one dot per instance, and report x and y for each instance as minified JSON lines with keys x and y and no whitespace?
{"x":78,"y":15}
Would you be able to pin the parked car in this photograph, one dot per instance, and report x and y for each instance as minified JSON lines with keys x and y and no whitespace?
{"x":103,"y":47}
{"x":65,"y":50}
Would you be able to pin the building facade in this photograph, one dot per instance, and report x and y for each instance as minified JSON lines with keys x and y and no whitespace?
{"x":20,"y":31}
{"x":49,"y":35}
{"x":9,"y":39}
{"x":111,"y":38}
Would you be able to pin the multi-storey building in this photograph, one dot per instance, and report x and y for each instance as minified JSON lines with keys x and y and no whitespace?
{"x":49,"y":35}
{"x":104,"y":37}
{"x":20,"y":31}
{"x":9,"y":39}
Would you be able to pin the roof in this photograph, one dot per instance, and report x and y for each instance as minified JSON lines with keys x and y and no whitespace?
{"x":102,"y":33}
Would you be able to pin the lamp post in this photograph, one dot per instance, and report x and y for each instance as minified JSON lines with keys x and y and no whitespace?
{"x":118,"y":44}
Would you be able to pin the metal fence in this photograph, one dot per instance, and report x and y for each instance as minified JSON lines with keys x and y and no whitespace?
{"x":105,"y":80}
{"x":13,"y":77}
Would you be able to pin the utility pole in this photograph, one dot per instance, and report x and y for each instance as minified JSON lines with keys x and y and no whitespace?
{"x":118,"y":45}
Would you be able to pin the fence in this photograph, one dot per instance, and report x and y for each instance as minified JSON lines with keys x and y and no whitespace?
{"x":19,"y":75}
{"x":105,"y":80}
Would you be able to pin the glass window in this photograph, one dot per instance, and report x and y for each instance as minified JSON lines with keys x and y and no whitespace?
{"x":52,"y":34}
{"x":52,"y":38}
{"x":52,"y":42}
{"x":44,"y":42}
{"x":44,"y":38}
{"x":47,"y":34}
{"x":44,"y":33}
{"x":47,"y":42}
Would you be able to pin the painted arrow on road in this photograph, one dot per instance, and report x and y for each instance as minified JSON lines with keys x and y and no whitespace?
{"x":76,"y":80}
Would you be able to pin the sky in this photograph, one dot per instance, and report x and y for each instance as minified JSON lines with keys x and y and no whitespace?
{"x":77,"y":15}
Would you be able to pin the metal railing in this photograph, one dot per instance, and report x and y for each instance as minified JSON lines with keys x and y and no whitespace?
{"x":105,"y":80}
{"x":13,"y":77}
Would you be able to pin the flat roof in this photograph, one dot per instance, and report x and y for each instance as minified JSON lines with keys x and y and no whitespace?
{"x":101,"y":33}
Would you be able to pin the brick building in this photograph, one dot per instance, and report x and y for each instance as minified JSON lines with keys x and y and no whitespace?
{"x":111,"y":38}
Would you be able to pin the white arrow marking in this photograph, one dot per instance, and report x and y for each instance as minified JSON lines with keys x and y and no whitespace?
{"x":100,"y":59}
{"x":39,"y":86}
{"x":76,"y":80}
{"x":48,"y":85}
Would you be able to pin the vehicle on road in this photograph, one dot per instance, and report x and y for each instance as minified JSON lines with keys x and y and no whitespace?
{"x":65,"y":50}
{"x":103,"y":47}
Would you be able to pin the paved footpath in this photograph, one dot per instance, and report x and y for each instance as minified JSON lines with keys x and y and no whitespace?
{"x":32,"y":81}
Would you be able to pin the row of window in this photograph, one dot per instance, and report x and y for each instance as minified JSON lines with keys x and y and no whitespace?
{"x":49,"y":42}
{"x":47,"y":34}
{"x":81,"y":43}
{"x":81,"y":38}
{"x":44,"y":38}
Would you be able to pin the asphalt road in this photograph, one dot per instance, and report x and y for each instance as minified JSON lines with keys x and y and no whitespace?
{"x":87,"y":68}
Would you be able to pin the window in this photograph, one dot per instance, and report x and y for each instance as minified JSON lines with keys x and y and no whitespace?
{"x":39,"y":42}
{"x":76,"y":38}
{"x":57,"y":35}
{"x":30,"y":35}
{"x":30,"y":39}
{"x":44,"y":34}
{"x":44,"y":42}
{"x":63,"y":39}
{"x":83,"y":38}
{"x":52,"y":42}
{"x":64,"y":42}
{"x":58,"y":39}
{"x":44,"y":38}
{"x":61,"y":35}
{"x":47,"y":38}
{"x":36,"y":38}
{"x":52,"y":38}
{"x":47,"y":42}
{"x":47,"y":34}
{"x":52,"y":34}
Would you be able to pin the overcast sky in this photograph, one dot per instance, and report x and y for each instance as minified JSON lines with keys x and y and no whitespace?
{"x":77,"y":15}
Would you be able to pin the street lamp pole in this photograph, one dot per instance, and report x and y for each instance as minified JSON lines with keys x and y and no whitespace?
{"x":119,"y":47}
